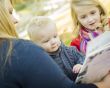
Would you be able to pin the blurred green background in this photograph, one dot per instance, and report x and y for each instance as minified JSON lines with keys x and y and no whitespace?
{"x":58,"y":10}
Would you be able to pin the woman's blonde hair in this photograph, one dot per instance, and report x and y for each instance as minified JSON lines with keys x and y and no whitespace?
{"x":14,"y":2}
{"x":7,"y":27}
{"x":96,"y":3}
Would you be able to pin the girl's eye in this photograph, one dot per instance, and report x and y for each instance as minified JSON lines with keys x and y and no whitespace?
{"x":93,"y":12}
{"x":83,"y":16}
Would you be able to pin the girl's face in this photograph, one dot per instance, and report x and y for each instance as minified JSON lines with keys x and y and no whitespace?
{"x":9,"y":7}
{"x":89,"y":16}
{"x":48,"y":38}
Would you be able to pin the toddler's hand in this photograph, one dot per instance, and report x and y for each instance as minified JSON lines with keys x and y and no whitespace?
{"x":77,"y":68}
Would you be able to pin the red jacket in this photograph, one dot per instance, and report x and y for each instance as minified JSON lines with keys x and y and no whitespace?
{"x":76,"y":42}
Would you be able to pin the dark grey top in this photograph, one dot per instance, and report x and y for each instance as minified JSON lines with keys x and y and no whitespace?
{"x":66,"y":58}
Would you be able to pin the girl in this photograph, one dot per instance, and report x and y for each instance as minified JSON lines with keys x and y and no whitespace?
{"x":89,"y":20}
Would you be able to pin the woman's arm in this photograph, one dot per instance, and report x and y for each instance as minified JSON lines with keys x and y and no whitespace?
{"x":34,"y":68}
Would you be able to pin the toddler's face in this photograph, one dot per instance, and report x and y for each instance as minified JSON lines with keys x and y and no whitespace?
{"x":89,"y":16}
{"x":49,"y":39}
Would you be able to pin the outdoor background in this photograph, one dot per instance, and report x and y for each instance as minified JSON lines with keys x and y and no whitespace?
{"x":58,"y":10}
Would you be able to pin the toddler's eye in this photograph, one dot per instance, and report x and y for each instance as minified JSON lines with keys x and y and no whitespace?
{"x":45,"y":41}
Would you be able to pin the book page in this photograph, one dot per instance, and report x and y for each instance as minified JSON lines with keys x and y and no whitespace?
{"x":98,"y":42}
{"x":94,"y":47}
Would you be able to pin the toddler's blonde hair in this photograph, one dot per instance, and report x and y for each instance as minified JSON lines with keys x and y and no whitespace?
{"x":38,"y":24}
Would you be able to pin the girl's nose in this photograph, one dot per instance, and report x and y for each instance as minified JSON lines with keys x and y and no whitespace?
{"x":90,"y":19}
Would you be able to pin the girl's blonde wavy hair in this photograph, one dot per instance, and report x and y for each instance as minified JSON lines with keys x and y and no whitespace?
{"x":96,"y":3}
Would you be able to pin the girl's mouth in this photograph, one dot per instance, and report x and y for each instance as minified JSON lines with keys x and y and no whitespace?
{"x":92,"y":24}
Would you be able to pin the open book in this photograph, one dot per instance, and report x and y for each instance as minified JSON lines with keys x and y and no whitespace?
{"x":94,"y":47}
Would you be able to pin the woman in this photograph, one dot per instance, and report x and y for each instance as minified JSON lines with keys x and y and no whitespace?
{"x":25,"y":65}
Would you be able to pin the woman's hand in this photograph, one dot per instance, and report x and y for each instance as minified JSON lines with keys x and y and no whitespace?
{"x":105,"y":83}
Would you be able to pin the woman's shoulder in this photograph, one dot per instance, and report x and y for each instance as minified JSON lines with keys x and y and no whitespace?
{"x":26,"y":52}
{"x":21,"y":47}
{"x":25,"y":45}
{"x":21,"y":42}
